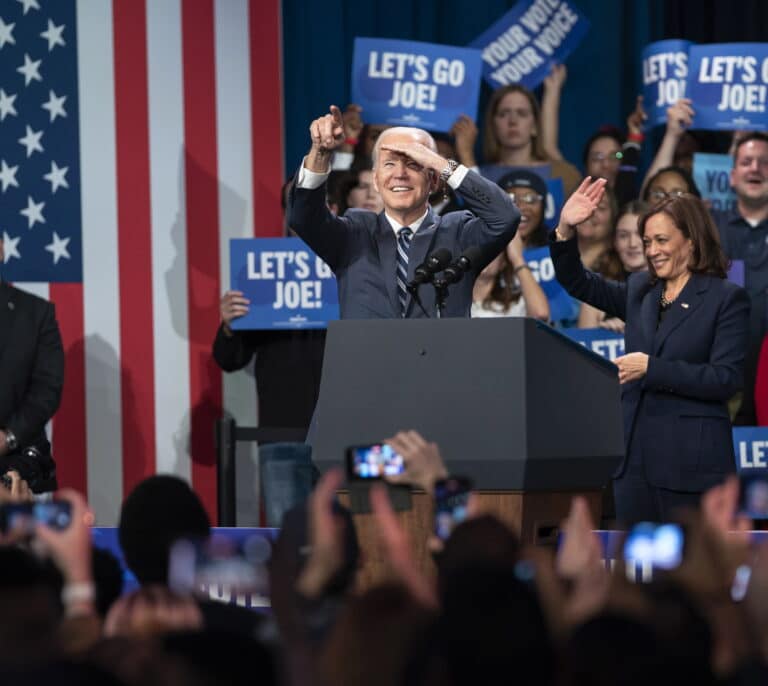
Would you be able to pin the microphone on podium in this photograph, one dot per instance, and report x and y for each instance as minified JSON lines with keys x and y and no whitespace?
{"x":466,"y":261}
{"x":425,"y":272}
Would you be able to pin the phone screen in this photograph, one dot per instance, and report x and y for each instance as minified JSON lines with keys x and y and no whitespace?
{"x":451,"y":501}
{"x":753,"y":495}
{"x":22,"y":517}
{"x":237,"y":566}
{"x":659,"y":546}
{"x":373,"y":461}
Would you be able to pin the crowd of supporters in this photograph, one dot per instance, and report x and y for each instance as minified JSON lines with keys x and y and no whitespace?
{"x":490,"y":611}
{"x":521,"y":151}
{"x":493,"y":610}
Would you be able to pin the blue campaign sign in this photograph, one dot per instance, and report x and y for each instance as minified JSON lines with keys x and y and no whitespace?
{"x":107,"y":538}
{"x":555,"y":198}
{"x":522,"y":46}
{"x":561,"y":305}
{"x":665,"y":70}
{"x":751,"y":446}
{"x":288,"y":285}
{"x":712,"y":174}
{"x":415,"y":84}
{"x":728,"y":84}
{"x":601,"y":341}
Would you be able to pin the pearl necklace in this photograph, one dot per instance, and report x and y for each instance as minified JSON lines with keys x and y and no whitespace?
{"x":667,"y":302}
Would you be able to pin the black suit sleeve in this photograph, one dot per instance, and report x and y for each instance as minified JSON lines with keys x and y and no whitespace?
{"x":232,"y":352}
{"x":43,"y":391}
{"x":316,"y":225}
{"x":584,"y":285}
{"x":495,"y":217}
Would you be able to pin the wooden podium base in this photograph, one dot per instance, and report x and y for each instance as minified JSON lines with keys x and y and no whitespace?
{"x":535,"y":517}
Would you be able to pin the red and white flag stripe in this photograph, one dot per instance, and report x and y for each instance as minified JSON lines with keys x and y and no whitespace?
{"x":181,"y":150}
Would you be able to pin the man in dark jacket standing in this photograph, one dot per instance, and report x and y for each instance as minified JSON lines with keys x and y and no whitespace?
{"x":31,"y":379}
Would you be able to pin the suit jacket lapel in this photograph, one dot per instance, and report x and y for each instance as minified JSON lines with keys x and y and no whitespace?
{"x":387,"y":245}
{"x":421,"y":245}
{"x":683,"y":307}
{"x":7,"y":312}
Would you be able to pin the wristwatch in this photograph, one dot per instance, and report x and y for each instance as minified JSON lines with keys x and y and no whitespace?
{"x":10,"y":440}
{"x":451,"y":167}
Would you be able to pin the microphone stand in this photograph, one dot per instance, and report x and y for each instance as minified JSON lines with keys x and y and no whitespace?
{"x":441,"y":293}
{"x":413,"y":289}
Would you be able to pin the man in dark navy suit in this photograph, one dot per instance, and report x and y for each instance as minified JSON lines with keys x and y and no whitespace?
{"x":374,"y":256}
{"x":31,"y":379}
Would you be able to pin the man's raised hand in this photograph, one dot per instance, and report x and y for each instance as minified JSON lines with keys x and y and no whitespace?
{"x":327,"y":134}
{"x":419,"y":153}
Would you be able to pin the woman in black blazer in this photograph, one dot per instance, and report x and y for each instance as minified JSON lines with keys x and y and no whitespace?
{"x":685,"y":336}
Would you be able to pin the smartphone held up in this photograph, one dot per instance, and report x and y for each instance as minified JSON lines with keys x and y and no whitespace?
{"x":374,"y":461}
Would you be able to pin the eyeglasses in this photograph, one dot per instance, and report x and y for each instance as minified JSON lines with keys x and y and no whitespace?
{"x":526,"y":198}
{"x":612,"y":157}
{"x":658,"y":194}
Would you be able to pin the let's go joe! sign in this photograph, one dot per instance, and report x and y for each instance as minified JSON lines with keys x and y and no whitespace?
{"x":729,"y":85}
{"x":289,"y":287}
{"x":415,"y":84}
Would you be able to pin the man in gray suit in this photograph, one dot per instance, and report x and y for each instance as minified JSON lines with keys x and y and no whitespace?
{"x":374,"y":256}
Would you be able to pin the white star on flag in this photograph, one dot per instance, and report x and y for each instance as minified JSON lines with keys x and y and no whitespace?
{"x":30,"y":69}
{"x":29,"y":4}
{"x":8,"y":175}
{"x":6,"y":104}
{"x":53,"y":35}
{"x":58,"y":248}
{"x":31,"y":141}
{"x":33,"y":212}
{"x":6,"y":33}
{"x":55,"y":106}
{"x":56,"y":177}
{"x":9,"y":247}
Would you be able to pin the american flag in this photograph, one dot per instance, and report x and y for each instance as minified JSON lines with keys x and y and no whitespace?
{"x":136,"y":138}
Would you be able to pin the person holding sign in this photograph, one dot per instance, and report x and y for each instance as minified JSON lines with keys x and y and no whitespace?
{"x":744,"y":235}
{"x":686,"y":332}
{"x":512,"y":139}
{"x":678,"y":145}
{"x":374,"y":255}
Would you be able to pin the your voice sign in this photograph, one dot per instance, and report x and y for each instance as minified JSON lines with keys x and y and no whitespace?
{"x":728,"y":84}
{"x":409,"y":83}
{"x":289,"y":287}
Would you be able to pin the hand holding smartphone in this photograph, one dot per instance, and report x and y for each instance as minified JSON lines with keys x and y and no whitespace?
{"x":21,"y":518}
{"x":753,"y":495}
{"x":374,"y":461}
{"x":451,"y":503}
{"x":658,"y":546}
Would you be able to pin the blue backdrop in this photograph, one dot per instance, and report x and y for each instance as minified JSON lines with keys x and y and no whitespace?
{"x":604,"y":71}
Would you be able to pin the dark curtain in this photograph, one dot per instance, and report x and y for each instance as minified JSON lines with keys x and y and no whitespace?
{"x":717,"y":21}
{"x":604,"y":72}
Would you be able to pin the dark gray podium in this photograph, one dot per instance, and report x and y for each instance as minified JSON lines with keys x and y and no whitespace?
{"x":511,"y":402}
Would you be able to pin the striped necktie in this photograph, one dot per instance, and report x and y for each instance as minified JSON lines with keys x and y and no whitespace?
{"x":403,"y":243}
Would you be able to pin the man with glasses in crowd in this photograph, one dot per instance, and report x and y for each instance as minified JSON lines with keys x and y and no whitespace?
{"x":744,"y":236}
